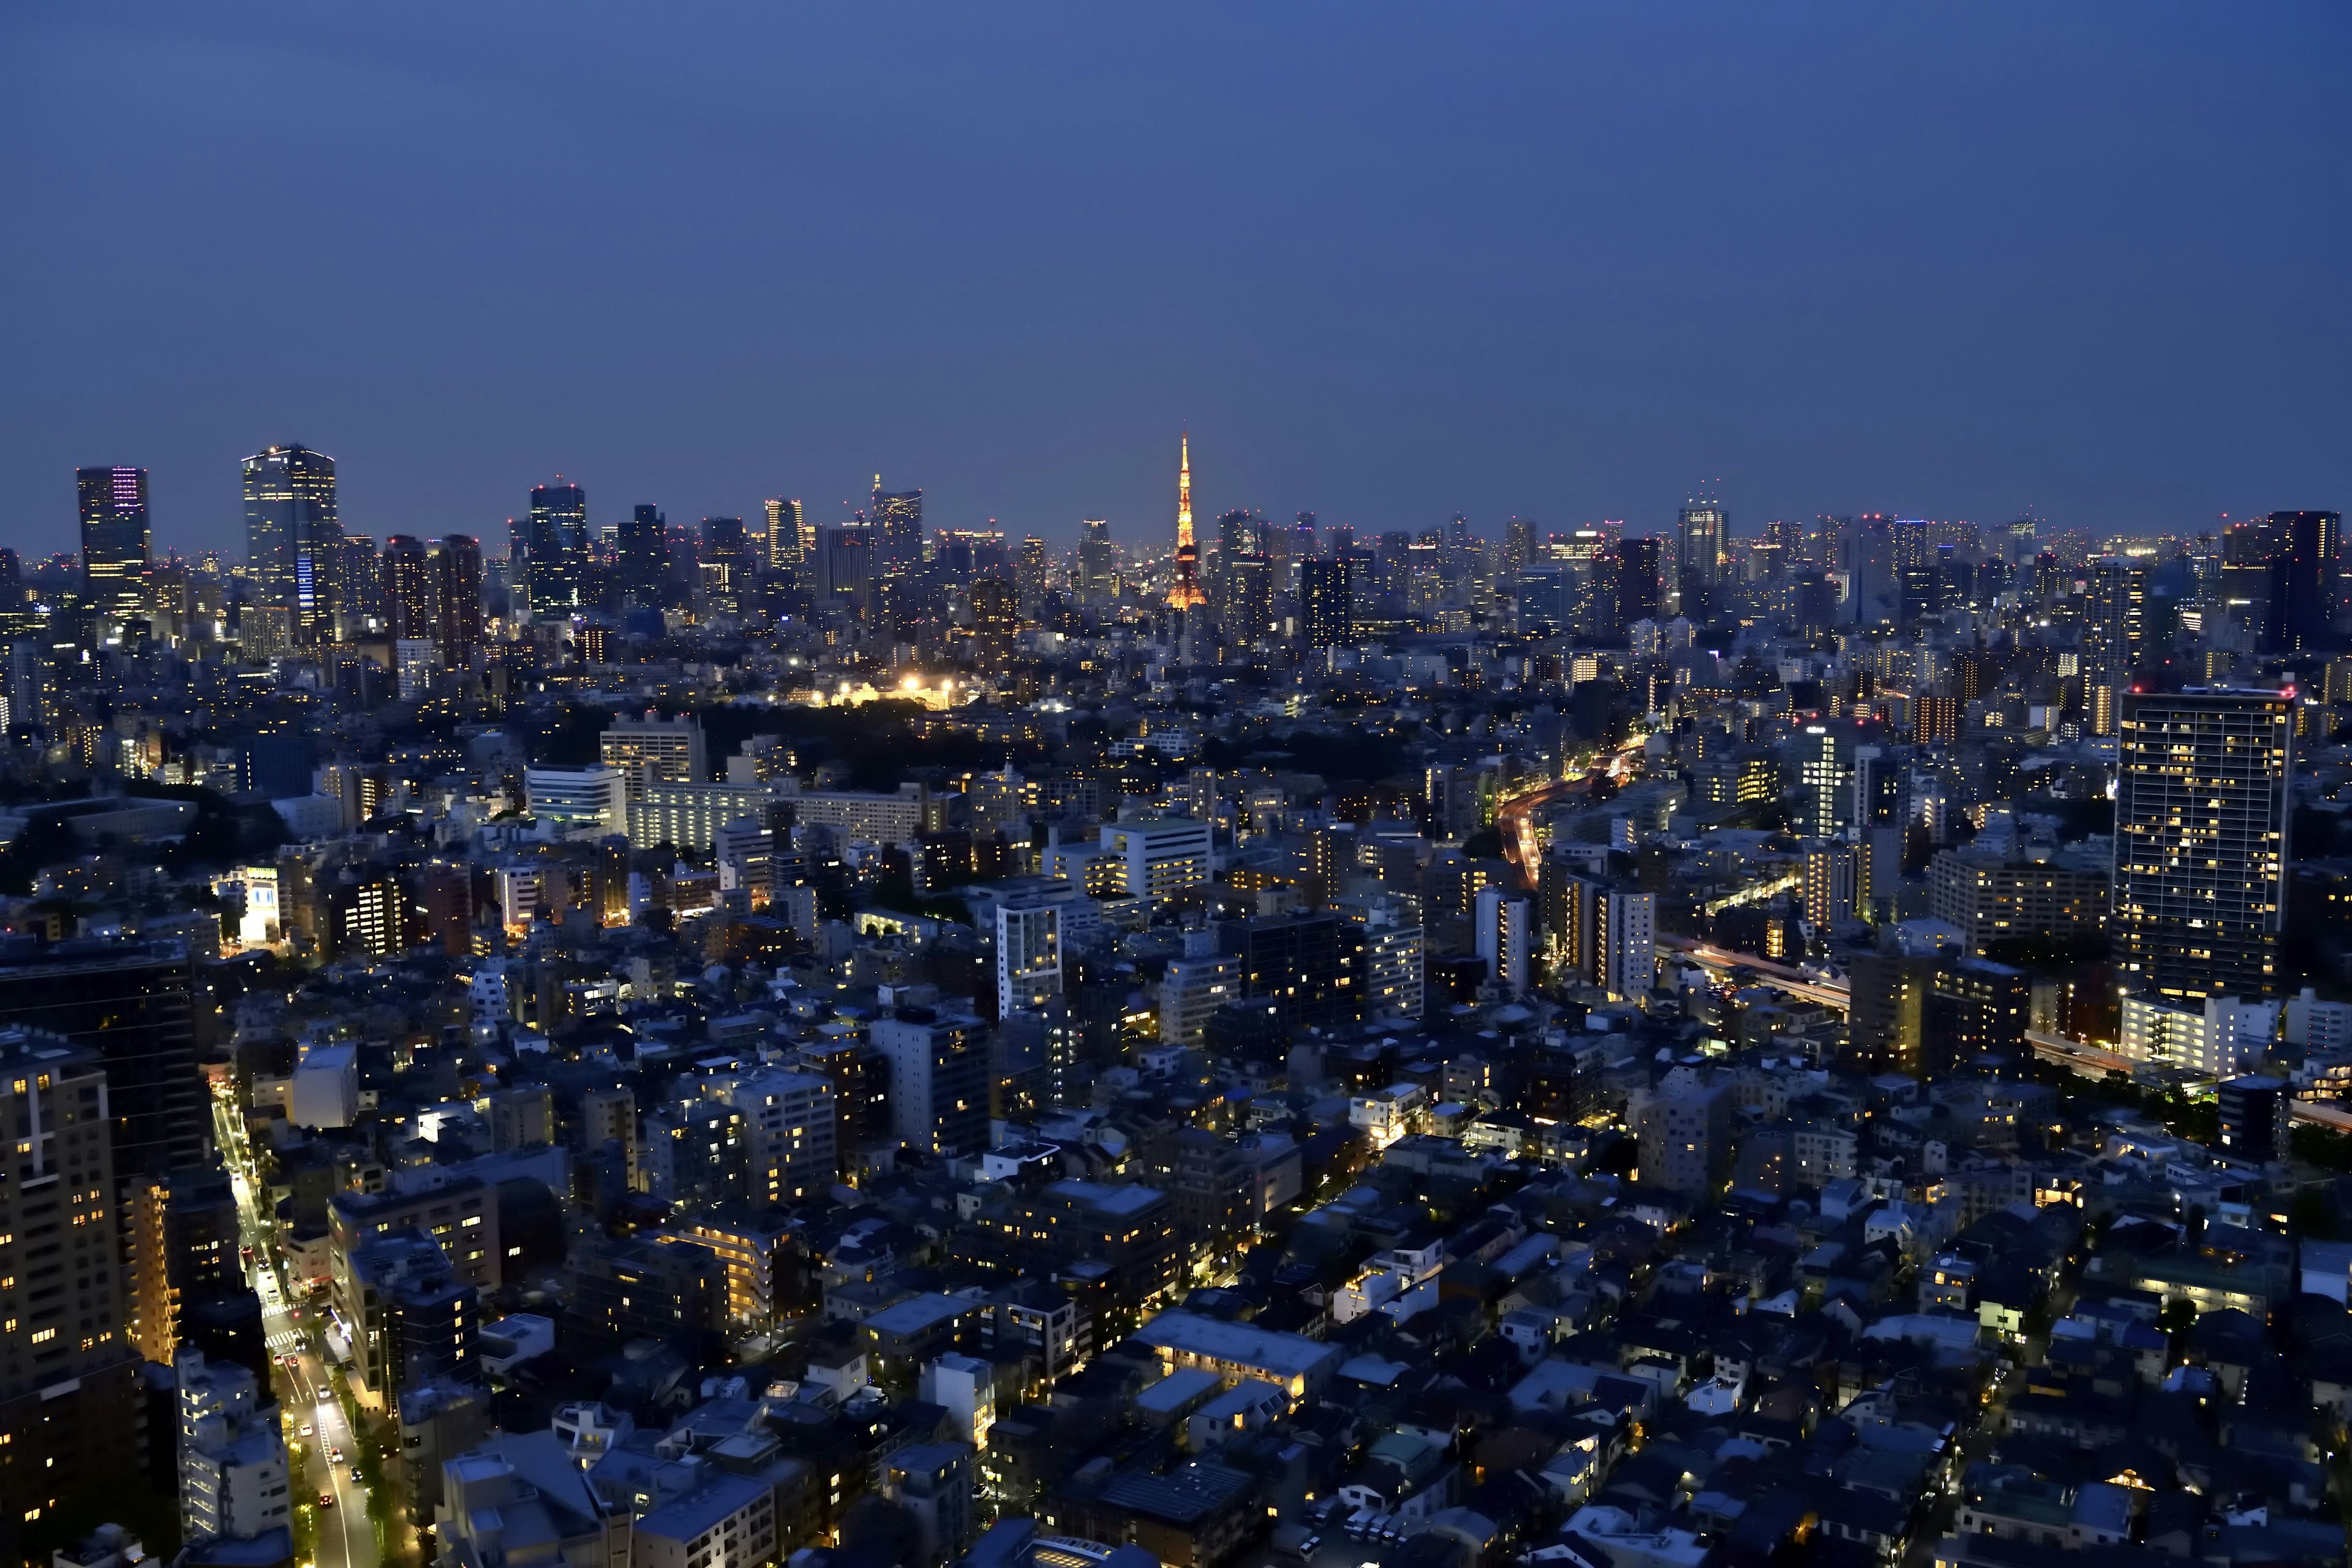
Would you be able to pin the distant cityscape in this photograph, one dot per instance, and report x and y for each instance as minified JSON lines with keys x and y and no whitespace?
{"x":738,"y":1042}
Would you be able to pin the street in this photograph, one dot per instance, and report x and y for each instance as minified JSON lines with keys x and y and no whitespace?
{"x":345,"y":1534}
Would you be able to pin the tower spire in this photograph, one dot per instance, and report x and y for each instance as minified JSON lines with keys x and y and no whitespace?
{"x":1184,"y":593}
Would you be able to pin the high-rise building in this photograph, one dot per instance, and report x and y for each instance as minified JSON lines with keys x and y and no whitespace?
{"x":1641,"y":566}
{"x":1248,"y":611}
{"x":2202,"y":797}
{"x":2308,"y":584}
{"x":1184,"y":585}
{"x":2114,"y":621}
{"x":1700,"y":535}
{"x":996,"y":617}
{"x":408,"y":607}
{"x":1098,"y":561}
{"x":232,"y":1477}
{"x":1505,"y":933}
{"x":728,"y":562}
{"x":114,"y":538}
{"x":641,"y":555}
{"x":69,"y":1395}
{"x":787,"y":544}
{"x":457,"y":563}
{"x":898,"y":528}
{"x":294,"y":536}
{"x":1028,"y":955}
{"x":938,"y":1077}
{"x":1326,"y":604}
{"x":555,"y":547}
{"x":132,"y":1003}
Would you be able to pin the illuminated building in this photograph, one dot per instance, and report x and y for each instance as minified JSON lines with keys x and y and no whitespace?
{"x":294,"y":539}
{"x":789,"y":536}
{"x":1504,"y":937}
{"x":1156,"y":858}
{"x":671,"y":751}
{"x":2202,"y":804}
{"x":555,"y":547}
{"x":1700,"y":537}
{"x":897,"y":522}
{"x":996,"y":617}
{"x":1325,"y":604}
{"x":1184,"y":591}
{"x":457,"y":563}
{"x":938,"y":1077}
{"x":641,"y":557}
{"x":1028,"y":955}
{"x":114,"y":538}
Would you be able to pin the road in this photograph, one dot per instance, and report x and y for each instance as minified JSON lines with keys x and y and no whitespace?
{"x":1768,"y":971}
{"x":315,"y":1421}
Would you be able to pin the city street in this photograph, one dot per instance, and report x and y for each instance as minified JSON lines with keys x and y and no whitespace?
{"x":345,"y":1534}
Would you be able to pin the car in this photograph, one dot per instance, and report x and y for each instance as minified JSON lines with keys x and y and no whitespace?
{"x":1358,"y":1522}
{"x":326,"y":1396}
{"x":303,"y":1430}
{"x":326,"y":1499}
{"x":1310,"y":1547}
{"x":334,"y":1454}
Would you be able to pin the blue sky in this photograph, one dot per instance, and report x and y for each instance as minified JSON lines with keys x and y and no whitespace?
{"x":1387,"y":263}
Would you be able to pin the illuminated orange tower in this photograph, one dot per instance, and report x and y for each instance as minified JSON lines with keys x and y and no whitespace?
{"x":1185,"y":594}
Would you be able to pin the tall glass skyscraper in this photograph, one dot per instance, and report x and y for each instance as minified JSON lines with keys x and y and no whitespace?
{"x":293,"y":538}
{"x":2202,"y":811}
{"x":114,"y":538}
{"x":555,"y":547}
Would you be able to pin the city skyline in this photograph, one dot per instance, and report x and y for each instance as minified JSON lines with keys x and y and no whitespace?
{"x":1592,"y":265}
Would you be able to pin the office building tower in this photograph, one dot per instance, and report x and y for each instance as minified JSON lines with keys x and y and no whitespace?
{"x":1825,"y":795}
{"x":2114,"y":622}
{"x":938,"y":1077}
{"x":1028,"y":955}
{"x":846,"y":564}
{"x":896,"y":523}
{"x":359,"y":605}
{"x":1098,"y":561}
{"x":1184,"y":584}
{"x":726,"y":561}
{"x":1309,"y":965}
{"x":555,"y":549}
{"x":2202,"y":797}
{"x":68,"y":1392}
{"x":1326,"y":602}
{"x":1519,"y":543}
{"x":1248,"y":611}
{"x":1626,"y":944}
{"x":131,"y":1002}
{"x":294,"y":537}
{"x":2308,"y":581}
{"x":787,"y":520}
{"x":114,"y":539}
{"x":457,"y":563}
{"x":995,"y":618}
{"x":1641,"y":566}
{"x":407,"y":589}
{"x":1872,"y":590}
{"x":641,"y":554}
{"x":1505,"y":934}
{"x":1700,"y":536}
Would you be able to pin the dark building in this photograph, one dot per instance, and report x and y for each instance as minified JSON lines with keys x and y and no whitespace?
{"x":458,"y":598}
{"x":641,"y":555}
{"x":1326,"y":602}
{"x":132,"y":1003}
{"x":898,"y":530}
{"x":2308,"y":547}
{"x":1641,"y":566}
{"x":624,"y":1289}
{"x":114,"y":538}
{"x":1975,"y":1007}
{"x":1310,"y":964}
{"x":183,"y":1249}
{"x":406,"y":572}
{"x":2254,"y":1119}
{"x":69,"y":1397}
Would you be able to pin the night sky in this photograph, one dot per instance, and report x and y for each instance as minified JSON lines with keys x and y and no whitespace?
{"x":1388,"y":263}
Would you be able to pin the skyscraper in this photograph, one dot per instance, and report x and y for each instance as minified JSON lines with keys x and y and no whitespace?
{"x":1700,"y":536}
{"x":2202,"y":811}
{"x":786,"y":519}
{"x":293,"y":536}
{"x":1098,"y":566}
{"x":2115,"y":618}
{"x":458,"y":598}
{"x":1641,"y":564}
{"x":898,"y":530}
{"x":408,"y":584}
{"x":2310,"y":553}
{"x":1326,"y":606}
{"x":114,"y":538}
{"x":1184,"y":589}
{"x":641,"y":554}
{"x":726,"y":564}
{"x":555,"y":547}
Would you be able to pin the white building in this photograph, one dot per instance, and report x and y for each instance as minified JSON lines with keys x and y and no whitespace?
{"x":2220,"y":1039}
{"x":1625,"y":946}
{"x":1028,"y":955}
{"x":1505,"y":923}
{"x":325,"y":1088}
{"x":964,"y":1386}
{"x":232,"y":1476}
{"x":1157,"y":859}
{"x":1194,"y":987}
{"x":578,"y":799}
